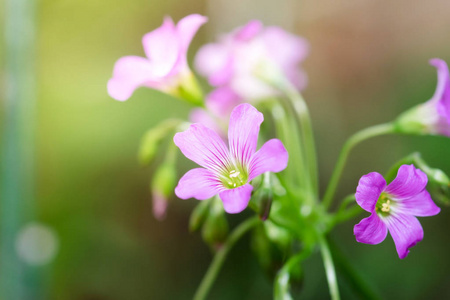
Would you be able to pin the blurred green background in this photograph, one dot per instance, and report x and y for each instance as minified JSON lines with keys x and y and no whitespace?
{"x":368,"y":63}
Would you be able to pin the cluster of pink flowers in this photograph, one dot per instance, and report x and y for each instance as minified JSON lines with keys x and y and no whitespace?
{"x":235,"y":67}
{"x":235,"y":61}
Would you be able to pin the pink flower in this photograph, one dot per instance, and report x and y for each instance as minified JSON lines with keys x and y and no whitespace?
{"x":165,"y":66}
{"x":239,"y":57}
{"x":222,"y":101}
{"x":228,"y":172}
{"x":433,"y":116}
{"x":394,"y":207}
{"x":219,"y":104}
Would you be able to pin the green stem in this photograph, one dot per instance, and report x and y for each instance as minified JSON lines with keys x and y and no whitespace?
{"x":282,"y":281}
{"x":304,"y":121}
{"x":348,"y":146}
{"x":284,"y":126}
{"x":329,"y":268}
{"x":17,"y":281}
{"x":347,"y":215}
{"x":220,"y":256}
{"x":347,"y":200}
{"x":361,"y":286}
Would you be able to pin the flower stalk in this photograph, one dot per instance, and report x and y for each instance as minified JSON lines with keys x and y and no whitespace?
{"x":355,"y":139}
{"x":329,"y":268}
{"x":221,"y":255}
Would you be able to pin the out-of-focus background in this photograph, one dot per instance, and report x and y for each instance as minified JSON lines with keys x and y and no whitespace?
{"x":368,"y":63}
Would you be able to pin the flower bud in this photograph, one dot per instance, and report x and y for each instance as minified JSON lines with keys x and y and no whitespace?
{"x":189,"y":90}
{"x":269,"y":257}
{"x":152,"y":140}
{"x":199,"y":215}
{"x":263,"y":196}
{"x":271,"y":244}
{"x":162,"y":186}
{"x":438,"y":183}
{"x":433,"y":116}
{"x":215,"y":228}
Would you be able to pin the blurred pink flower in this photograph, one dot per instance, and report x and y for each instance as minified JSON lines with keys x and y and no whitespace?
{"x":433,"y":116}
{"x":165,"y":65}
{"x":240,"y":57}
{"x":222,"y":101}
{"x":219,"y":104}
{"x":204,"y":117}
{"x":160,"y":203}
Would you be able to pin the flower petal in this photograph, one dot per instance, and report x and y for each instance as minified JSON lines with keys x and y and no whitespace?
{"x":200,"y":115}
{"x":243,"y":132}
{"x":236,"y":200}
{"x":198,"y":183}
{"x":129,"y":73}
{"x":286,"y":49}
{"x":162,"y":46}
{"x":405,"y":230}
{"x":222,"y":100}
{"x":214,"y":61}
{"x":420,"y":205}
{"x":369,"y":189}
{"x":272,"y":157}
{"x":203,"y":146}
{"x":408,"y":183}
{"x":370,"y":230}
{"x":188,"y":27}
{"x":248,"y":31}
{"x":160,"y":204}
{"x":442,"y":93}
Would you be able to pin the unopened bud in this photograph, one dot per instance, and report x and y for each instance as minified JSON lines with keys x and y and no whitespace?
{"x":199,"y":215}
{"x":215,"y":228}
{"x":162,"y":186}
{"x":152,"y":140}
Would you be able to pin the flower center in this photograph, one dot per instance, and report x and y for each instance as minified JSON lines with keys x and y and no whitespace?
{"x":383,"y":206}
{"x":234,"y":178}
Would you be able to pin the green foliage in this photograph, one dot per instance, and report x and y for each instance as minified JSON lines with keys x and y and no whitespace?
{"x":152,"y":139}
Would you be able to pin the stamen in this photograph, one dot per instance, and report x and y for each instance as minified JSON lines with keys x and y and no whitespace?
{"x":386,"y":207}
{"x":234,"y":178}
{"x":383,"y":205}
{"x":234,"y":173}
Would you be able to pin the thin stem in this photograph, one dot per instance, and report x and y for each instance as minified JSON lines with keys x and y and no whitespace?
{"x":220,"y":256}
{"x":347,"y":215}
{"x":282,"y":285}
{"x":361,"y":285}
{"x":283,"y":124}
{"x":305,"y":124}
{"x":277,"y":79}
{"x":348,"y":146}
{"x":329,"y":268}
{"x":17,"y":168}
{"x":347,"y":200}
